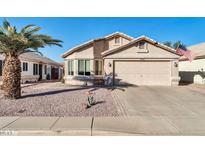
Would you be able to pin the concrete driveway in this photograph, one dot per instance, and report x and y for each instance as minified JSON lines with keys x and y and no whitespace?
{"x":182,"y":107}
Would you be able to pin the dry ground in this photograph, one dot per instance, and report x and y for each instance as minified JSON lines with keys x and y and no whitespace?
{"x":56,"y":99}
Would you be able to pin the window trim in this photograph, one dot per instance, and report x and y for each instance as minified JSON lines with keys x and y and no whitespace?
{"x":84,"y":67}
{"x":97,"y":71}
{"x":35,"y":69}
{"x":25,"y":66}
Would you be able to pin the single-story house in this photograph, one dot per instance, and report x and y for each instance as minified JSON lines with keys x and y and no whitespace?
{"x":193,"y":72}
{"x":135,"y":61}
{"x":35,"y":67}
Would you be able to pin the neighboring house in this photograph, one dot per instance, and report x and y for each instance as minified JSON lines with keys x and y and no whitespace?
{"x":35,"y":67}
{"x":139,"y":61}
{"x":193,"y":72}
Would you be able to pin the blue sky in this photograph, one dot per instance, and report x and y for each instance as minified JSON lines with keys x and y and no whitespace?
{"x":74,"y":31}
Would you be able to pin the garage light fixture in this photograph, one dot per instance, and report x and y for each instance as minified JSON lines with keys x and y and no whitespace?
{"x":110,"y":65}
{"x":175,"y":64}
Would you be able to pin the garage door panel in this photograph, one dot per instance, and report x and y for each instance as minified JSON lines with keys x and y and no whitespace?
{"x":142,"y":73}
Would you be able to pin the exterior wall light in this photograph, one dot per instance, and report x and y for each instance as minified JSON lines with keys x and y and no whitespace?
{"x":175,"y":64}
{"x":110,"y":65}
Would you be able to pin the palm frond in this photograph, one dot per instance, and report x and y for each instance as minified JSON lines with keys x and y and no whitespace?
{"x":54,"y":43}
{"x":31,"y":31}
{"x":48,"y":40}
{"x":27,"y":40}
{"x":26,"y":28}
{"x":30,"y":50}
{"x":6,"y":25}
{"x":1,"y":30}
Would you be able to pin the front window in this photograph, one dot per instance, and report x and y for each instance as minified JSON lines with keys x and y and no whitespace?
{"x":35,"y":69}
{"x":84,"y":67}
{"x":25,"y":66}
{"x":70,"y":67}
{"x":98,"y":67}
{"x":1,"y":67}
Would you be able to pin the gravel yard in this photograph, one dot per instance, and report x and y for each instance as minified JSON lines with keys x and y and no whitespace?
{"x":56,"y":99}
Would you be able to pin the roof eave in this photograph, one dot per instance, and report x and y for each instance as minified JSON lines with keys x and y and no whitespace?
{"x":74,"y":49}
{"x":137,"y":40}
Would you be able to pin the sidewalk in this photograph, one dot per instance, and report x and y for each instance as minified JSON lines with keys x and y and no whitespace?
{"x":89,"y":126}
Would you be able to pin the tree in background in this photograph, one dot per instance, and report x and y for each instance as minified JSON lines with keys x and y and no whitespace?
{"x":175,"y":45}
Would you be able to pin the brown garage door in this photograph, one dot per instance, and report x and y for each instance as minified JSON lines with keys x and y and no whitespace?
{"x":142,"y":73}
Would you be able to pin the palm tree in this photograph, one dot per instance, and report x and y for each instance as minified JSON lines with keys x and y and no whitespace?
{"x":13,"y":43}
{"x":168,"y":43}
{"x":175,"y":45}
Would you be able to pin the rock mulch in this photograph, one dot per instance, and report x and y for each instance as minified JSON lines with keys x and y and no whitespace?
{"x":56,"y":99}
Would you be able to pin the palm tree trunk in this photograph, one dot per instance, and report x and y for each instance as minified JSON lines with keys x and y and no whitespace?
{"x":12,"y":77}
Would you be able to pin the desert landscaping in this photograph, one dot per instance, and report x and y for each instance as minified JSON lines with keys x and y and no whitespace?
{"x":57,"y":99}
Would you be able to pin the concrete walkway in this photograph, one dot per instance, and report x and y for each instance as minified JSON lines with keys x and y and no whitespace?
{"x":98,"y":126}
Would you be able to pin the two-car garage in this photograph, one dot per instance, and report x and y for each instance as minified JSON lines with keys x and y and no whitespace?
{"x":152,"y":64}
{"x":142,"y":72}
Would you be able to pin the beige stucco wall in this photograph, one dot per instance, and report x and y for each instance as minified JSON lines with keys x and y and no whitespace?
{"x":151,"y":52}
{"x":192,"y":71}
{"x":175,"y":78}
{"x":30,"y":68}
{"x":94,"y":50}
{"x":65,"y":68}
{"x":84,"y":53}
{"x":112,"y":44}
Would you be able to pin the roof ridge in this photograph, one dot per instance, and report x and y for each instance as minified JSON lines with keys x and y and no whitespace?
{"x":118,"y":32}
{"x":92,"y":40}
{"x":196,"y":44}
{"x":137,"y":39}
{"x":157,"y":42}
